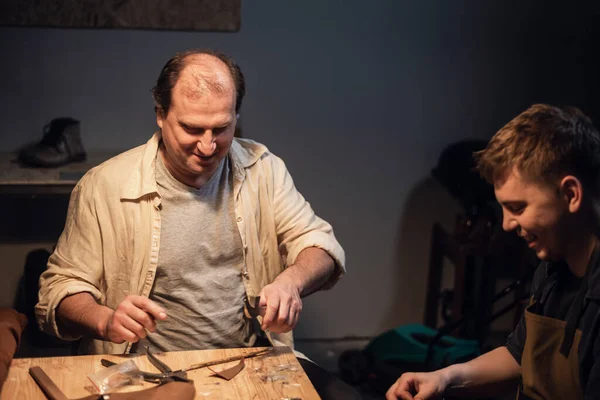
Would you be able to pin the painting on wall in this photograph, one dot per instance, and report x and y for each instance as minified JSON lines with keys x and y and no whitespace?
{"x":190,"y":15}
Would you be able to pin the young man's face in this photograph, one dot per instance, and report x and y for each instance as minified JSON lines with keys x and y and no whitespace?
{"x":537,"y":212}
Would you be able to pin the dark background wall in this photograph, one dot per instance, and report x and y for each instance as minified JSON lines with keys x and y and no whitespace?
{"x":358,"y":97}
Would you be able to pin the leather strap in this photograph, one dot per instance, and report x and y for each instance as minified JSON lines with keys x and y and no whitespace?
{"x":46,"y":384}
{"x":577,"y":307}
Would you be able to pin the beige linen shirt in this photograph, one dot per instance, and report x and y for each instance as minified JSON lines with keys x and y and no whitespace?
{"x":111,"y":240}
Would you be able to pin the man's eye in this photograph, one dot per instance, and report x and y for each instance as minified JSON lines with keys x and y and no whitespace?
{"x":518,"y":209}
{"x":194,"y":131}
{"x":218,"y":131}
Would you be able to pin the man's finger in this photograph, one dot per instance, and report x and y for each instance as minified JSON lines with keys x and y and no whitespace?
{"x":391,"y":393}
{"x":403,"y":395}
{"x":284,"y":312}
{"x":401,"y":389}
{"x":425,"y":393}
{"x":120,"y":334}
{"x":295,"y":319}
{"x":271,"y":313}
{"x":149,"y":306}
{"x":295,"y":314}
{"x":134,"y":327}
{"x":263,"y":301}
{"x":142,"y":317}
{"x":261,"y":305}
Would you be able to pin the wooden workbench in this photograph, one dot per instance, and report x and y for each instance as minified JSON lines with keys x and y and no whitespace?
{"x":276,"y":375}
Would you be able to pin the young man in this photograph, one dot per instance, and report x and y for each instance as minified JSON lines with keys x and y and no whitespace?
{"x":544,"y":166}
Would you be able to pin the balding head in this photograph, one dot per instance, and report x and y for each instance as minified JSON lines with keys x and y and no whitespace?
{"x":195,"y":73}
{"x":204,"y":74}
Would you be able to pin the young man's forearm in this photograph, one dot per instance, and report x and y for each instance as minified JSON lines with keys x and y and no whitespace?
{"x":311,"y":270}
{"x":491,"y":373}
{"x":80,"y":314}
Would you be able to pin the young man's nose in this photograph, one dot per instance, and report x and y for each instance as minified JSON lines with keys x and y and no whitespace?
{"x":509,"y":223}
{"x":206,"y":144}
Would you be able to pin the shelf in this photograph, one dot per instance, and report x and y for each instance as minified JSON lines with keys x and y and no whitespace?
{"x":16,"y":179}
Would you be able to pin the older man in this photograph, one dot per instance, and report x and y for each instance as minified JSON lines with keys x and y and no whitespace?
{"x":166,"y":244}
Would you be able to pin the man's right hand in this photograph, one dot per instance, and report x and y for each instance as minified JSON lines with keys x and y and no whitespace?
{"x":132,"y":319}
{"x":421,"y":386}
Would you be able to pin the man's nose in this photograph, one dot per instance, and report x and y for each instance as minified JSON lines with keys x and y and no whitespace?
{"x":206,"y":144}
{"x":508,"y":222}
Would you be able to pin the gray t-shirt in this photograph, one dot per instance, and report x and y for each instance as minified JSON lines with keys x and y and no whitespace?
{"x":200,"y":263}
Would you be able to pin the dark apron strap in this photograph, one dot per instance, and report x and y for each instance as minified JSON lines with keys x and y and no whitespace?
{"x":577,"y":308}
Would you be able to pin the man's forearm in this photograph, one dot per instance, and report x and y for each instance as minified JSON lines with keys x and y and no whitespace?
{"x":310,"y":271}
{"x":493,"y":372}
{"x":80,"y":314}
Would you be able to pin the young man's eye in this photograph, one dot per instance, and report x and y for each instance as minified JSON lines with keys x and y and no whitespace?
{"x":518,"y":209}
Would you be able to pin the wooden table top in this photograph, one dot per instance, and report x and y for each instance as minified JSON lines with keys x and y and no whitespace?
{"x":276,"y":375}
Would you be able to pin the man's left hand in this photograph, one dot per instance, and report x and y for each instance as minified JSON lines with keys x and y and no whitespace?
{"x":282,"y":305}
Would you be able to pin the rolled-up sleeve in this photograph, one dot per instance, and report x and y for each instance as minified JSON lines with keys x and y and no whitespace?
{"x":298,"y":227}
{"x":75,"y":266}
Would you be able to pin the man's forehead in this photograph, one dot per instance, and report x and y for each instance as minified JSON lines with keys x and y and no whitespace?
{"x":501,"y":177}
{"x":515,"y":185}
{"x":201,"y":87}
{"x":205,"y":71}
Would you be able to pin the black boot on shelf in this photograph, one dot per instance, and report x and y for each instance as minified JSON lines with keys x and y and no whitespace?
{"x":60,"y":145}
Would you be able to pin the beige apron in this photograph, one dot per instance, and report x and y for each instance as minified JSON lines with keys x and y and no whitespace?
{"x":550,"y":363}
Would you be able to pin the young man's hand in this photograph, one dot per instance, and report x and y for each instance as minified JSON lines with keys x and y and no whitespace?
{"x":421,"y":386}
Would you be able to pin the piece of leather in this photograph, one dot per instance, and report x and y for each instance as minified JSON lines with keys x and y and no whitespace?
{"x":229,"y":373}
{"x":12,"y":324}
{"x":171,"y":390}
{"x":46,"y":384}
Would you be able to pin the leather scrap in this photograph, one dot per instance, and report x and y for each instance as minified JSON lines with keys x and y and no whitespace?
{"x":229,"y":373}
{"x":171,"y":390}
{"x":46,"y":384}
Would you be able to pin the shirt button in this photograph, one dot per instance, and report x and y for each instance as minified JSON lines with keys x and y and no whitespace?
{"x":239,"y":219}
{"x":245,"y":274}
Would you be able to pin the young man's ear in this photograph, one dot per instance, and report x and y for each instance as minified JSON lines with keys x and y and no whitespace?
{"x":572,"y":190}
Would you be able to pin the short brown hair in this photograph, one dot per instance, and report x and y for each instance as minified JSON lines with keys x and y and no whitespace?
{"x":169,"y":75}
{"x":545,"y":143}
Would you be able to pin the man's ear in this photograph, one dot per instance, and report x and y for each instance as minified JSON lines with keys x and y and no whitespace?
{"x":572,"y":190}
{"x":159,"y":117}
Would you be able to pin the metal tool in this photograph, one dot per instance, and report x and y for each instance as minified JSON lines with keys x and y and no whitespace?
{"x":179,"y":376}
{"x":168,"y":375}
